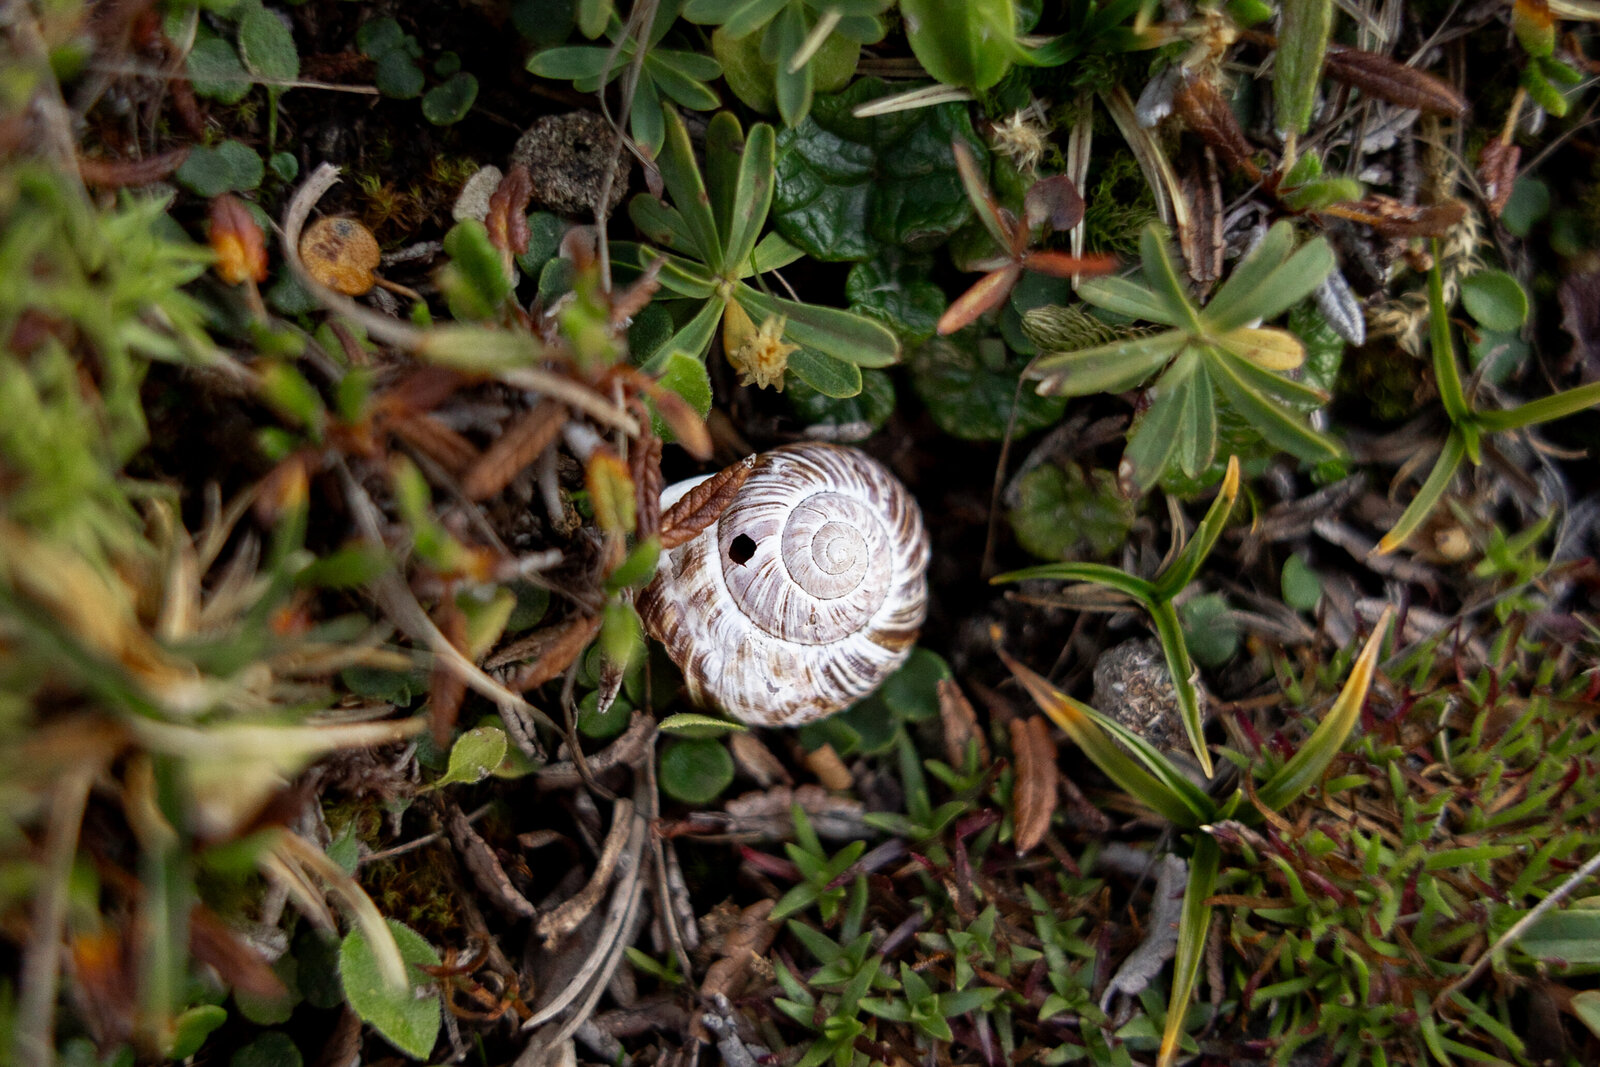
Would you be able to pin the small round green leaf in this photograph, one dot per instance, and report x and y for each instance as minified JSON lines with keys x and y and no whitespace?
{"x":449,"y":103}
{"x":1495,"y":299}
{"x":971,"y":385}
{"x":230,"y":167}
{"x":215,"y":71}
{"x":397,"y":76}
{"x":474,"y":756}
{"x":1302,"y":589}
{"x":1063,"y":513}
{"x":266,"y":47}
{"x":190,"y":1029}
{"x":271,"y":1049}
{"x":912,"y":692}
{"x":695,"y":770}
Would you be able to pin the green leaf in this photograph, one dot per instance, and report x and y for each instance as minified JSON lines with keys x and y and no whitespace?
{"x":1281,"y":428}
{"x":1428,"y":497}
{"x":967,"y":43}
{"x":230,"y":167}
{"x":407,"y":1018}
{"x":691,"y":725}
{"x":1572,"y":936}
{"x":1197,"y":431}
{"x":1545,"y":409}
{"x":1107,"y":368}
{"x":829,"y":376}
{"x":1495,"y":299}
{"x":397,"y":76}
{"x":1322,"y":193}
{"x":681,"y":176}
{"x":1194,"y":923}
{"x":693,"y":338}
{"x":687,"y":377}
{"x":215,"y":71}
{"x":479,"y":267}
{"x":1181,"y":670}
{"x":847,"y":187}
{"x":785,"y":38}
{"x":912,"y":691}
{"x":575,"y":63}
{"x":446,"y":104}
{"x":1292,"y":282}
{"x":191,"y":1028}
{"x":1062,"y":512}
{"x":474,"y":756}
{"x":1153,"y":437}
{"x":1127,"y":297}
{"x":895,"y":289}
{"x":1234,"y":302}
{"x":266,"y":47}
{"x":1155,"y":254}
{"x":1302,"y":589}
{"x":1186,"y":564}
{"x":1206,"y":630}
{"x":1303,"y":31}
{"x":970,"y":387}
{"x":1098,"y":573}
{"x":830,"y":331}
{"x":695,"y":770}
{"x":863,"y":412}
{"x":274,"y":1048}
{"x":750,"y":199}
{"x":1305,"y":767}
{"x":1170,"y":795}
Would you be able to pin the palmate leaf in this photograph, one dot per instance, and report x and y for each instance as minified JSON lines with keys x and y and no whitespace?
{"x":1229,"y":307}
{"x":1127,"y":297}
{"x":1156,"y":261}
{"x":681,"y":176}
{"x":841,"y":334}
{"x":1280,"y":427}
{"x":1154,"y":439}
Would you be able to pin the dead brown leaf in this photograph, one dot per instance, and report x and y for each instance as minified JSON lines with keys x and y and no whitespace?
{"x":960,"y":725}
{"x":1387,"y":79}
{"x":1033,"y":800}
{"x":522,"y":442}
{"x":703,"y":505}
{"x":552,"y":650}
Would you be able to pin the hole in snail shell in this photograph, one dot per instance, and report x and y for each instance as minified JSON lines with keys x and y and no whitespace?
{"x":742,"y":548}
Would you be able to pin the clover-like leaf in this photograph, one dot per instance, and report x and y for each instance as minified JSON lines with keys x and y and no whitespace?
{"x":848,"y":187}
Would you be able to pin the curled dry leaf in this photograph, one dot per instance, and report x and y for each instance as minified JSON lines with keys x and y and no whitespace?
{"x":122,"y":173}
{"x":703,"y":505}
{"x":522,"y":442}
{"x":1387,"y":79}
{"x":507,"y":221}
{"x":1033,"y":799}
{"x":552,"y":649}
{"x":484,"y":866}
{"x":446,"y":688}
{"x":1392,"y":218}
{"x":567,"y":916}
{"x":644,"y":464}
{"x":1497,"y":171}
{"x":1201,"y":240}
{"x":237,"y":240}
{"x":1206,"y":112}
{"x":434,"y":439}
{"x":960,"y":723}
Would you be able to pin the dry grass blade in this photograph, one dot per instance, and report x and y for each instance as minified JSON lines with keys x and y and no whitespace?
{"x":553,"y":650}
{"x":522,"y":442}
{"x":561,"y":920}
{"x":703,"y":505}
{"x":1033,"y":800}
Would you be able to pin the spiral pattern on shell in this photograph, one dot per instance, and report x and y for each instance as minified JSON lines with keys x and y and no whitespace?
{"x":803,"y":596}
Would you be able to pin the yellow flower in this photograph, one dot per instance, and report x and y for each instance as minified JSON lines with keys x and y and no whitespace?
{"x":759,"y":355}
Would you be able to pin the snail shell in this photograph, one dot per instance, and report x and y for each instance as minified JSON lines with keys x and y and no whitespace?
{"x":803,"y":596}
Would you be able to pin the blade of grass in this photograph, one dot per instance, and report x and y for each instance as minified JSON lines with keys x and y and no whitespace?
{"x":1168,"y":628}
{"x":1096,"y":573}
{"x":1305,"y":767}
{"x":1182,"y":570}
{"x":1178,"y":807}
{"x":1194,"y":923}
{"x":1445,"y":372}
{"x":1455,"y":450}
{"x":1545,"y":409}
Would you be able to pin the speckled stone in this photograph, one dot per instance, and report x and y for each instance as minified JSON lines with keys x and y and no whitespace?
{"x":1133,"y":686}
{"x":567,"y":157}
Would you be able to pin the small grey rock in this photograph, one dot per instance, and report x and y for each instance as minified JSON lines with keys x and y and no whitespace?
{"x":1133,"y":686}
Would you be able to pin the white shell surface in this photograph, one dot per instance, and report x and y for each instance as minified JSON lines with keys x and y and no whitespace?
{"x":806,"y":593}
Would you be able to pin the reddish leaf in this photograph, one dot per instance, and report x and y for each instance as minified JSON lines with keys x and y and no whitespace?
{"x":522,"y":442}
{"x":553,"y":650}
{"x":1497,"y":170}
{"x":1206,"y":112}
{"x":644,"y":463}
{"x":1393,"y":219}
{"x":987,"y":293}
{"x":703,"y":505}
{"x":120,"y":173}
{"x":1055,"y":201}
{"x":1063,"y":265}
{"x":238,"y":242}
{"x":507,"y":220}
